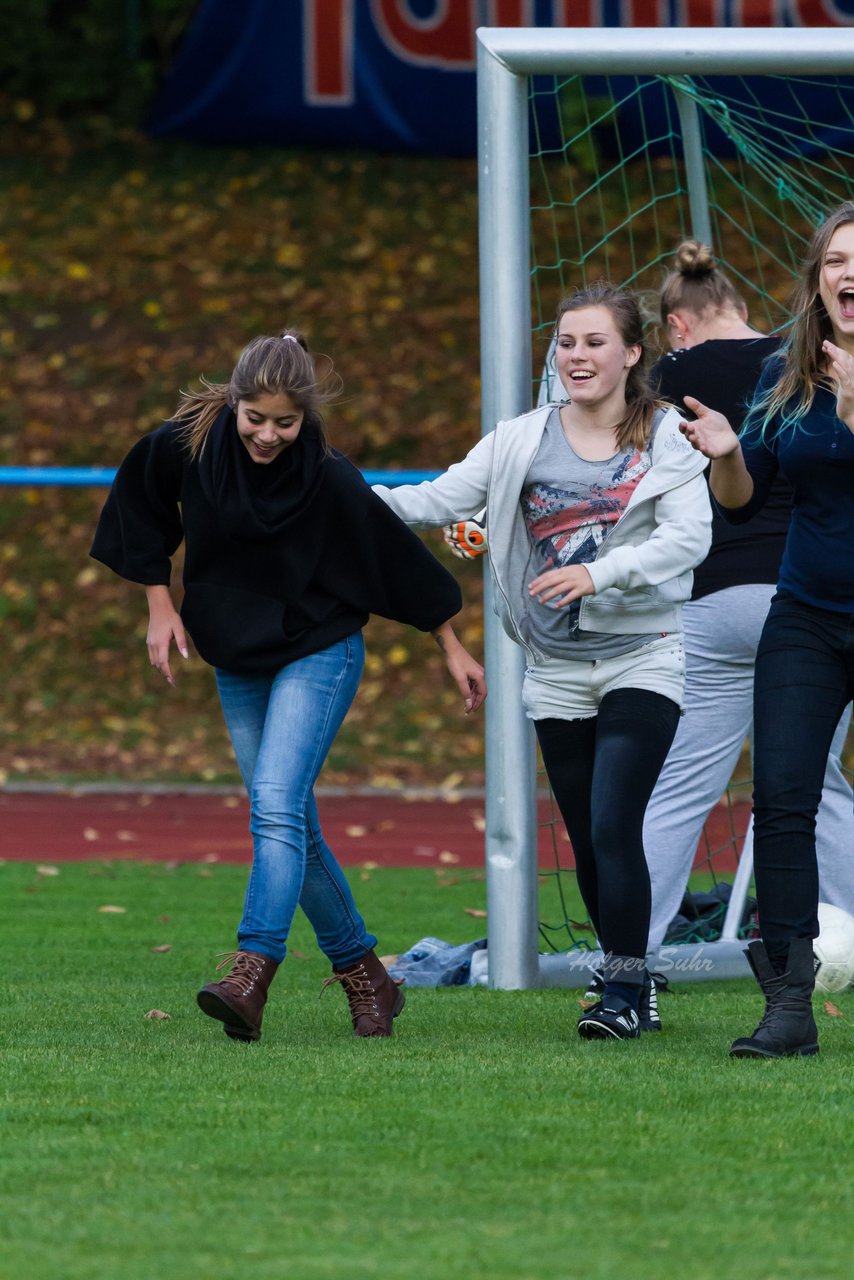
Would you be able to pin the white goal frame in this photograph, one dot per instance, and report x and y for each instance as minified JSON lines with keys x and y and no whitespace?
{"x":506,"y":58}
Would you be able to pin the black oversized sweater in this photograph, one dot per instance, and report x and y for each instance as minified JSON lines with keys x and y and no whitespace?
{"x":281,"y":559}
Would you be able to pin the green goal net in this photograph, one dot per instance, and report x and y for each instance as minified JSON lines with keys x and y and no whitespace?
{"x":622,"y":168}
{"x":607,"y":205}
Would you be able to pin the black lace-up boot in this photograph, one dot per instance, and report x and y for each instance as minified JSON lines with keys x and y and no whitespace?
{"x":787,"y":1027}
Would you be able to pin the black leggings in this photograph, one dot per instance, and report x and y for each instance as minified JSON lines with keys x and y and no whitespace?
{"x":602,"y":771}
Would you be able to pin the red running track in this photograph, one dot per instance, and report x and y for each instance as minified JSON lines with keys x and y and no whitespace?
{"x":390,"y":831}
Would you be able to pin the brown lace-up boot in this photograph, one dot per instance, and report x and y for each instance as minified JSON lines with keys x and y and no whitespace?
{"x":374,"y":997}
{"x":238,"y":999}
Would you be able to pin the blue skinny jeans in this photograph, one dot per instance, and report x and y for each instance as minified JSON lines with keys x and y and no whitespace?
{"x":281,"y":728}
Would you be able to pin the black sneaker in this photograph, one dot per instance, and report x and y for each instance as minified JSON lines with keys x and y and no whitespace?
{"x":609,"y":1019}
{"x":595,"y":985}
{"x":648,"y":1015}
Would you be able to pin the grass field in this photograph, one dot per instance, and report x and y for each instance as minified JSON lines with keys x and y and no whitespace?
{"x":483,"y":1140}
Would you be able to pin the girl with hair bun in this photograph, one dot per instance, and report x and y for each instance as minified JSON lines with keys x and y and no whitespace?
{"x":801,"y":423}
{"x":287,"y":552}
{"x":718,"y":359}
{"x":699,"y":303}
{"x":596,"y":514}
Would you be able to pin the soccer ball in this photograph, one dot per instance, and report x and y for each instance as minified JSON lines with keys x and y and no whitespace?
{"x":834,"y":949}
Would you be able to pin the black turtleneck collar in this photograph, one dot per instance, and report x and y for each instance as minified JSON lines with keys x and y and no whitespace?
{"x":254,"y":498}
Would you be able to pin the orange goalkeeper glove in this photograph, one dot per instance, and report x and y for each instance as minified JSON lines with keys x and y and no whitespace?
{"x":467,"y":538}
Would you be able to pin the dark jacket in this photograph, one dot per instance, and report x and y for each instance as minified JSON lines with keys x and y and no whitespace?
{"x":815,"y":454}
{"x":281,"y":560}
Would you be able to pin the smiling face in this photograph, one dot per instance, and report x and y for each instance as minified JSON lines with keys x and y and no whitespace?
{"x":592,"y":360}
{"x":836,"y":284}
{"x":268,"y":424}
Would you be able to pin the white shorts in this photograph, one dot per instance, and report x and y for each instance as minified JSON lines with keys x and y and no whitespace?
{"x":561,"y":689}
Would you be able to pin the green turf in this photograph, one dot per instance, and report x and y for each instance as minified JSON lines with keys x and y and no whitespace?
{"x":483,"y":1140}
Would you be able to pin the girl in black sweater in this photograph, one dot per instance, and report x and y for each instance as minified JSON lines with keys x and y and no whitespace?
{"x":287,"y":553}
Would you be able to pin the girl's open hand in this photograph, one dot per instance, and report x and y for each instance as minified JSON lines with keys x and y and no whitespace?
{"x":562,"y":585}
{"x":841,"y":367}
{"x":710,"y":434}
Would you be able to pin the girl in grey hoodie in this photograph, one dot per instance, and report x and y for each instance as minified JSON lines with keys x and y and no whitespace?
{"x":597,"y":513}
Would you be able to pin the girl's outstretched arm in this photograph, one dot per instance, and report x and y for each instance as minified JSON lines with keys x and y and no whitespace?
{"x":468,"y":673}
{"x":711,"y":435}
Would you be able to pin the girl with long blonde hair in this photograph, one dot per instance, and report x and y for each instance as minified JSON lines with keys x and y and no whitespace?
{"x":718,"y":358}
{"x":801,"y":424}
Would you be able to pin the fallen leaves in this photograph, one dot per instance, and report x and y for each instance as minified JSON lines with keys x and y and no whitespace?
{"x":162,"y":949}
{"x":832,"y":1010}
{"x":450,"y":785}
{"x":157,"y":1015}
{"x":386,"y":782}
{"x":110,"y":910}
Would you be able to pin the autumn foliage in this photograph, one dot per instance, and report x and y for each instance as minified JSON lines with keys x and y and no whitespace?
{"x":129,"y":268}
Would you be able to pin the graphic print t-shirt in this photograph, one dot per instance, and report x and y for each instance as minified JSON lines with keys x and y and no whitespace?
{"x":570,"y":506}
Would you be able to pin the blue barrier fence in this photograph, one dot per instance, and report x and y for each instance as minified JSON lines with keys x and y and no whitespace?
{"x":33,"y":477}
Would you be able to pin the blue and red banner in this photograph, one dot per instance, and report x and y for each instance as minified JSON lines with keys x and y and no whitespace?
{"x":395,"y":75}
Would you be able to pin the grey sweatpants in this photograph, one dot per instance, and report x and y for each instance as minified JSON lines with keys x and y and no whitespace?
{"x":721,"y":634}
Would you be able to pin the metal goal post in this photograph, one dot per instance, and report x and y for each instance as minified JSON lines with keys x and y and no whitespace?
{"x":506,"y":58}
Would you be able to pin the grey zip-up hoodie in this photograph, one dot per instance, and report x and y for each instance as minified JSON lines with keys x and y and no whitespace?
{"x":643,"y":570}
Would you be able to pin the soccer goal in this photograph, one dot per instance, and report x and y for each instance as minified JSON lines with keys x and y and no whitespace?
{"x":599,"y":150}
